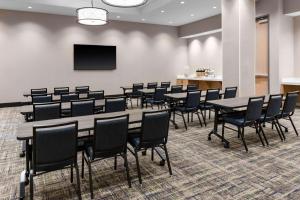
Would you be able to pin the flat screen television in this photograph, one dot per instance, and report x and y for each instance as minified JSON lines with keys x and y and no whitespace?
{"x":94,"y":57}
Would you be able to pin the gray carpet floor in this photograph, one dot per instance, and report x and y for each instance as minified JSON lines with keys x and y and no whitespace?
{"x":202,"y":169}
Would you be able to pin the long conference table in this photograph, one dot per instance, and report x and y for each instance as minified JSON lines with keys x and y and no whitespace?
{"x":85,"y":123}
{"x":227,"y":104}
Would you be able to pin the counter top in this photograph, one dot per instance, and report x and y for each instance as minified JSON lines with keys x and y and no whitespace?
{"x":290,"y":81}
{"x":216,"y":78}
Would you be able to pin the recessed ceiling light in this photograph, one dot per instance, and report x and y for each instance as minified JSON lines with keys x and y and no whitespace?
{"x":192,"y":15}
{"x":118,"y":17}
{"x":214,"y":7}
{"x":170,"y":22}
{"x":143,"y":19}
{"x":29,"y":7}
{"x":182,"y":2}
{"x":162,"y":11}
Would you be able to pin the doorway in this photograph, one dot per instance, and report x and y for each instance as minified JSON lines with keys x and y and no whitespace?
{"x":262,"y":56}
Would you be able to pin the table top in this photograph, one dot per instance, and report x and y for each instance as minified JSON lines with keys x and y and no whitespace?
{"x":65,"y":105}
{"x":85,"y":123}
{"x":233,"y":103}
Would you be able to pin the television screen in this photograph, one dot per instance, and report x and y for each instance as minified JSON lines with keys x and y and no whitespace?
{"x":94,"y":57}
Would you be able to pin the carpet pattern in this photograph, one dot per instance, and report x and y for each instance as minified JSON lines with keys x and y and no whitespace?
{"x":202,"y":169}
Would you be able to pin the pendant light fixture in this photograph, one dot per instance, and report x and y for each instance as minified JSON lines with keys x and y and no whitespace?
{"x":92,"y":15}
{"x":125,"y":3}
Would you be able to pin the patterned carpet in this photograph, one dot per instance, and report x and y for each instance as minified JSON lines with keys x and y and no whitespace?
{"x":202,"y":169}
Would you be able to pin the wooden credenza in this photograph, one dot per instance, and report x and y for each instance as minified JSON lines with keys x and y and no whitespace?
{"x":291,"y":85}
{"x":201,"y":83}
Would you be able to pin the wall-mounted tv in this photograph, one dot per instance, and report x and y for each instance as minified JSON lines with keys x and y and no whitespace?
{"x":94,"y":57}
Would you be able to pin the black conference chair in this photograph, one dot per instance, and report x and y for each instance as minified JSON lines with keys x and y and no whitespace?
{"x":82,"y":89}
{"x":158,"y":98}
{"x":230,"y":92}
{"x":40,"y":91}
{"x":69,"y":97}
{"x":288,"y":109}
{"x":165,"y":84}
{"x":46,"y":111}
{"x":153,"y":134}
{"x":176,"y":89}
{"x":54,"y":147}
{"x":109,"y":141}
{"x":211,"y":94}
{"x":190,"y":106}
{"x":41,"y":99}
{"x":152,"y":85}
{"x":249,"y":118}
{"x":270,"y":115}
{"x":115,"y":105}
{"x":97,"y":95}
{"x":135,"y":92}
{"x":61,"y":90}
{"x":82,"y":107}
{"x":191,"y":88}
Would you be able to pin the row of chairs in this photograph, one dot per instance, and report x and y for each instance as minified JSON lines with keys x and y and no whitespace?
{"x":55,"y":147}
{"x":66,"y":97}
{"x":193,"y":104}
{"x":257,"y":116}
{"x":60,"y":90}
{"x":53,"y":110}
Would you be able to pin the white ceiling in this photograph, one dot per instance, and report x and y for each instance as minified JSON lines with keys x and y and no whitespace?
{"x":175,"y":13}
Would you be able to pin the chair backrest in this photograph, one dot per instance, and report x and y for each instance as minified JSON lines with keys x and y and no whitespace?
{"x":41,"y":98}
{"x":46,"y":111}
{"x":176,"y":88}
{"x":82,"y":89}
{"x":40,"y":91}
{"x":165,"y":84}
{"x":159,"y":94}
{"x":69,"y":97}
{"x":290,"y":103}
{"x":254,"y":108}
{"x":193,"y":99}
{"x":191,"y":88}
{"x":61,"y":90}
{"x":155,"y":128}
{"x":82,"y":107}
{"x":152,"y":85}
{"x":212,"y":94}
{"x":54,"y":146}
{"x":97,"y":95}
{"x":230,"y":92}
{"x":136,"y":87}
{"x":110,"y":135}
{"x":274,"y":105}
{"x":115,"y":105}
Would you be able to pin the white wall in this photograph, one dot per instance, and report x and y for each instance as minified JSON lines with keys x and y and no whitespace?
{"x":297,"y":46}
{"x":36,"y":50}
{"x":205,"y":51}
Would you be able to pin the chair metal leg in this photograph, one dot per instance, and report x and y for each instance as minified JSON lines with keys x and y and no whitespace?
{"x":137,"y":165}
{"x":204,"y":120}
{"x":188,"y":116}
{"x":278,"y":131}
{"x":167,"y":158}
{"x":71,"y":173}
{"x":127,"y":170}
{"x":183,"y":118}
{"x":90,"y":180}
{"x":152,"y":154}
{"x":78,"y":180}
{"x":263,"y":133}
{"x":258,"y":133}
{"x":293,"y":125}
{"x":31,"y":185}
{"x":281,"y":131}
{"x":197,"y":113}
{"x":209,"y":114}
{"x":115,"y":165}
{"x":82,"y":165}
{"x":223,"y":130}
{"x":243,"y":138}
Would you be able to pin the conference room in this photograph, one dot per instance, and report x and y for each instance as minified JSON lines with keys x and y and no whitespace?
{"x":150,"y":99}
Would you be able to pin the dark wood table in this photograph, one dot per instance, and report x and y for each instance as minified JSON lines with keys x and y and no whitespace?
{"x":228,"y":104}
{"x":28,"y":109}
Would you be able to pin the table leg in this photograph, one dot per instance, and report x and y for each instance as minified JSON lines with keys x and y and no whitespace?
{"x":215,"y":129}
{"x":27,"y":152}
{"x":172,"y":110}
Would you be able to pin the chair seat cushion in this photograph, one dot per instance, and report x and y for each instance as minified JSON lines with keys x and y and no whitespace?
{"x":235,"y":120}
{"x":134,"y":141}
{"x":205,"y":106}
